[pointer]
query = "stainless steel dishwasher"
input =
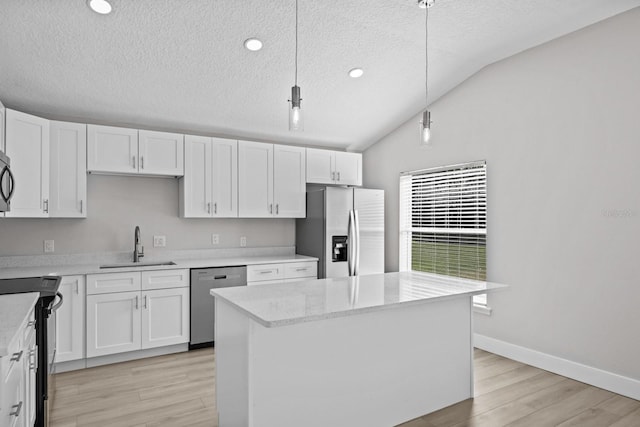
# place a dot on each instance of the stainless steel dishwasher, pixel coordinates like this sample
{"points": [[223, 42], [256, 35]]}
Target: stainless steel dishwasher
{"points": [[202, 303]]}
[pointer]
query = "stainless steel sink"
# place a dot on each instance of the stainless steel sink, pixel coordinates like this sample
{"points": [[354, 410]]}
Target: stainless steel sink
{"points": [[138, 264]]}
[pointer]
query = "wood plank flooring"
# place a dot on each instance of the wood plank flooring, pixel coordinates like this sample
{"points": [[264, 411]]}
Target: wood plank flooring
{"points": [[178, 390]]}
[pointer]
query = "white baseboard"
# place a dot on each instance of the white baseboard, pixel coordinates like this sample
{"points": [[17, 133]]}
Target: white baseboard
{"points": [[587, 374]]}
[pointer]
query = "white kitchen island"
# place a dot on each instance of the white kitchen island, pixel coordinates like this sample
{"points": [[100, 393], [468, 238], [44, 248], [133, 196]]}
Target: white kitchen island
{"points": [[373, 350]]}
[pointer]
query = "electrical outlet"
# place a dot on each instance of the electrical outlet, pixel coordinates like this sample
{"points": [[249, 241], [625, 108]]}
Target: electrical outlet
{"points": [[159, 241], [243, 241], [215, 239], [49, 246]]}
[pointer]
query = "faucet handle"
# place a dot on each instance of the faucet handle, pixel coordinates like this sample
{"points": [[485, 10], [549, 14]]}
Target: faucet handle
{"points": [[140, 250]]}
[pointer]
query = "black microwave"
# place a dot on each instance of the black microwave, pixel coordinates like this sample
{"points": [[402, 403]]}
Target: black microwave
{"points": [[7, 183]]}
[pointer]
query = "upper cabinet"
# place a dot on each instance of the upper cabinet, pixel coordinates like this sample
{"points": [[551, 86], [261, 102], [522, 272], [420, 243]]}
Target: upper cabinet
{"points": [[333, 167], [111, 149], [129, 151], [210, 184], [68, 177], [161, 153], [271, 180], [2, 114], [27, 144]]}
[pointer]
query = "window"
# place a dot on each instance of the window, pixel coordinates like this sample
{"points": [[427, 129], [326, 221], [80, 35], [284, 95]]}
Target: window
{"points": [[443, 221]]}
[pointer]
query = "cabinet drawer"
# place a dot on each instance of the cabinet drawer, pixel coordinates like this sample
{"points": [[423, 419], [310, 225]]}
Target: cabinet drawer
{"points": [[30, 326], [300, 269], [258, 273], [113, 282], [164, 279]]}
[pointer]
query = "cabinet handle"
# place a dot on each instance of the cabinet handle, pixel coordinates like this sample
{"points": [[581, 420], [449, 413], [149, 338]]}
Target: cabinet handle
{"points": [[215, 208], [277, 208], [141, 162], [46, 205], [16, 412], [145, 302], [338, 176], [31, 323], [271, 208], [32, 364], [81, 205], [136, 302], [302, 269], [209, 207], [134, 162], [266, 271], [333, 176], [77, 289], [17, 356]]}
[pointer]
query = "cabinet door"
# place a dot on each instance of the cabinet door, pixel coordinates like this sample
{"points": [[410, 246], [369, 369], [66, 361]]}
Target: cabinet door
{"points": [[112, 149], [2, 120], [195, 187], [255, 179], [68, 178], [113, 323], [28, 147], [348, 168], [224, 174], [161, 153], [289, 181], [70, 320], [165, 317], [320, 166]]}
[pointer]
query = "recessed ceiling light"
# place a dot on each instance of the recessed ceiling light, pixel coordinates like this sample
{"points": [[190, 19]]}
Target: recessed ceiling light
{"points": [[253, 44], [103, 7], [356, 72]]}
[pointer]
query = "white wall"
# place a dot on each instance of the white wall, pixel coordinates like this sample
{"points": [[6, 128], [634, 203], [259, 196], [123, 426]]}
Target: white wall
{"points": [[559, 126], [117, 204]]}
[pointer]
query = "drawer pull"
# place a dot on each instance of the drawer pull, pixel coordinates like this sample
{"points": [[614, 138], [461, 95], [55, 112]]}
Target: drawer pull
{"points": [[266, 271], [17, 356], [31, 323], [302, 269], [17, 410]]}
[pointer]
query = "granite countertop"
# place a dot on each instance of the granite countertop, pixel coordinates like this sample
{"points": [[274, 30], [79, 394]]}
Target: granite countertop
{"points": [[72, 269], [14, 310], [291, 303]]}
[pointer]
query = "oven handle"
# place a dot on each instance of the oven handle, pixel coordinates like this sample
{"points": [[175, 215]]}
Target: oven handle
{"points": [[57, 306]]}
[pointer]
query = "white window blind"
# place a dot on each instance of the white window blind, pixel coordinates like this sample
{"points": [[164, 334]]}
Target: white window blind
{"points": [[443, 221]]}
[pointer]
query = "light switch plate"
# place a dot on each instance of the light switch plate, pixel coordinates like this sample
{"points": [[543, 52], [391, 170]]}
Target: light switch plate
{"points": [[215, 239], [49, 246], [243, 241], [159, 241]]}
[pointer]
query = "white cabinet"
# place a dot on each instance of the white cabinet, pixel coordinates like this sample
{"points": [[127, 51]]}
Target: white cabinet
{"points": [[333, 167], [129, 151], [29, 375], [112, 149], [113, 323], [2, 120], [70, 320], [151, 311], [161, 153], [68, 170], [209, 187], [289, 181], [271, 180], [255, 179], [27, 144], [266, 274]]}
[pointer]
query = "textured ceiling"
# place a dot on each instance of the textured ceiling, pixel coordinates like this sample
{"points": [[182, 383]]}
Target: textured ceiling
{"points": [[181, 65]]}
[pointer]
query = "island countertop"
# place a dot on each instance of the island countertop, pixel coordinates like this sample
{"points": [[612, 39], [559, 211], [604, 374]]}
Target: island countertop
{"points": [[306, 301]]}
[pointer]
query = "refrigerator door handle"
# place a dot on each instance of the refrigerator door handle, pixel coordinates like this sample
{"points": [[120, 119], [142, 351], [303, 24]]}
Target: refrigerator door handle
{"points": [[351, 243], [356, 258]]}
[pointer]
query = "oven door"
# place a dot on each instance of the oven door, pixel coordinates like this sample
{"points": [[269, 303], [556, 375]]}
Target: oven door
{"points": [[51, 358]]}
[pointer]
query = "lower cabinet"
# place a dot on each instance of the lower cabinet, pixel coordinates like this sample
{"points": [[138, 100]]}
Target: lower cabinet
{"points": [[267, 274], [70, 335], [127, 321]]}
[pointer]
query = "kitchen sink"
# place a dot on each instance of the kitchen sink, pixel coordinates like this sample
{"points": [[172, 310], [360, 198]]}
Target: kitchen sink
{"points": [[138, 264]]}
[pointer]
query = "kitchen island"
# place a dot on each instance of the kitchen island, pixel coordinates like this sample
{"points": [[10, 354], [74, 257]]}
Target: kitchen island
{"points": [[374, 350]]}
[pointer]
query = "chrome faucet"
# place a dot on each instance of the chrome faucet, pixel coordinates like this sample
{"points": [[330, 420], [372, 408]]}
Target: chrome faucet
{"points": [[138, 249]]}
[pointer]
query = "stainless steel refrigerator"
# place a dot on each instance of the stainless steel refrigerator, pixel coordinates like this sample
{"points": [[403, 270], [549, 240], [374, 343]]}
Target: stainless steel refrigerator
{"points": [[344, 228]]}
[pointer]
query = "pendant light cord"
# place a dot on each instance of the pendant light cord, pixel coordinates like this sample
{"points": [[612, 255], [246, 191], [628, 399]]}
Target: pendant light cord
{"points": [[296, 42], [426, 55]]}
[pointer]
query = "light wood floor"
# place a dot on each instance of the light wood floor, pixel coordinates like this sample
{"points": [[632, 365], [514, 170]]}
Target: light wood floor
{"points": [[178, 390]]}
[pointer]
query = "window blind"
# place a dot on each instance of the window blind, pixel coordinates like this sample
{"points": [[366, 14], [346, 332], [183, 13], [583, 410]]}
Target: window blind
{"points": [[443, 220]]}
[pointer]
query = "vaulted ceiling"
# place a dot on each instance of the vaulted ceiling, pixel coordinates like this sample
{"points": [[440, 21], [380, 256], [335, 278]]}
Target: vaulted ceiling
{"points": [[181, 65]]}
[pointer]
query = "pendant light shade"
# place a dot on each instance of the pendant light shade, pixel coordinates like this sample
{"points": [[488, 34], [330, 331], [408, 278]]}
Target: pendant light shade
{"points": [[296, 122], [425, 128]]}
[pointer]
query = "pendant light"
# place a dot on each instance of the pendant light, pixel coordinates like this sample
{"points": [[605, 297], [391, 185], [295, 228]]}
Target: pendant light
{"points": [[296, 122], [425, 123]]}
